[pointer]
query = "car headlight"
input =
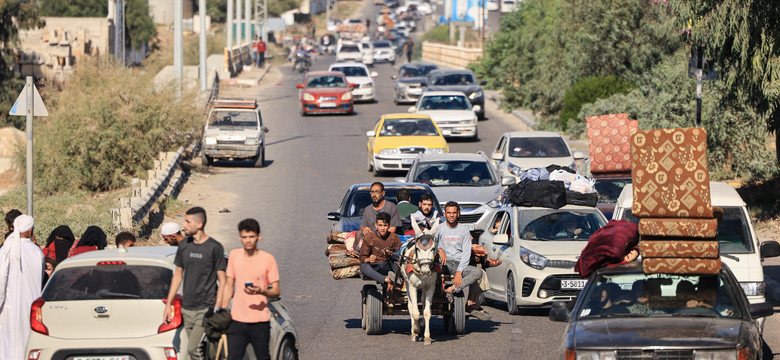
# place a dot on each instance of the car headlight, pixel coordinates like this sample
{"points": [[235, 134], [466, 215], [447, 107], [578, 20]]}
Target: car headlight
{"points": [[595, 355], [435, 151], [367, 85], [715, 355], [388, 151], [753, 288], [513, 169], [346, 96], [467, 122], [211, 141], [533, 259], [251, 141], [308, 97], [493, 203], [476, 94]]}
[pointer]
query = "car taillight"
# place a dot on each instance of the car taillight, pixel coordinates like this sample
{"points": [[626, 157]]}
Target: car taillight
{"points": [[569, 354], [176, 315], [112, 263], [34, 355], [743, 354], [170, 354], [36, 317]]}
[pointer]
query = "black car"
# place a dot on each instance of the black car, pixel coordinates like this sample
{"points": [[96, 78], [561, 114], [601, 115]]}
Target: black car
{"points": [[459, 80], [623, 313], [349, 213], [408, 82]]}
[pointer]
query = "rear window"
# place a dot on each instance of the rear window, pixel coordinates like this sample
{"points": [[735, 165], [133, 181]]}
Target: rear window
{"points": [[522, 147], [108, 282], [350, 48]]}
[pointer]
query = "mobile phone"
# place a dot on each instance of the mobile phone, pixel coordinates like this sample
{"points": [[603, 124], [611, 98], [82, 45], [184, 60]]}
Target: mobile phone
{"points": [[248, 284]]}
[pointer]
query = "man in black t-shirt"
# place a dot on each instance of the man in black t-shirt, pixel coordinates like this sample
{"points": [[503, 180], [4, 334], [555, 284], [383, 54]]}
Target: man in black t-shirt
{"points": [[203, 258]]}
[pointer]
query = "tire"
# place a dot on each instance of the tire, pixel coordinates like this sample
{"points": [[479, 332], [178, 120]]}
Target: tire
{"points": [[483, 300], [511, 296], [392, 62], [260, 158], [370, 166], [287, 350], [205, 159], [459, 314], [373, 312], [302, 112]]}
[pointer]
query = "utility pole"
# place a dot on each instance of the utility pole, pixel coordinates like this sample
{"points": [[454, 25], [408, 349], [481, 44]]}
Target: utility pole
{"points": [[29, 150], [119, 31], [239, 22], [248, 21], [261, 18], [178, 40], [203, 30], [229, 25]]}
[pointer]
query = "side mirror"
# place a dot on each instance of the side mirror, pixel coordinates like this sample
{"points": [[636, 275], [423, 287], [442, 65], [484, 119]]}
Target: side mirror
{"points": [[394, 77], [411, 109], [477, 108], [578, 155], [508, 180], [446, 132], [497, 156], [334, 216], [558, 312], [265, 130], [770, 249], [760, 310], [371, 133], [374, 74], [299, 86], [424, 84], [501, 239], [483, 83]]}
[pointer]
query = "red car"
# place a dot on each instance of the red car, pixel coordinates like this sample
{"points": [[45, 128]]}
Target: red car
{"points": [[325, 92]]}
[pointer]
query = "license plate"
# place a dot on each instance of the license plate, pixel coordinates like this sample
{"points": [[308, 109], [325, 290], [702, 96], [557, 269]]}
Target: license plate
{"points": [[415, 91], [470, 226], [328, 105], [573, 284], [407, 161], [115, 357]]}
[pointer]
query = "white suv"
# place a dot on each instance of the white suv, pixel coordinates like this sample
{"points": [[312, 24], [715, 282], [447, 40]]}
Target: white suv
{"points": [[358, 74]]}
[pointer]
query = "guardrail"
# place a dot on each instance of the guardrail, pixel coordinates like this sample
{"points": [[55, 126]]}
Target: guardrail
{"points": [[450, 56]]}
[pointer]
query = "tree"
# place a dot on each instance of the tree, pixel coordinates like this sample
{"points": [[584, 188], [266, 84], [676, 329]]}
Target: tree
{"points": [[15, 15], [739, 39]]}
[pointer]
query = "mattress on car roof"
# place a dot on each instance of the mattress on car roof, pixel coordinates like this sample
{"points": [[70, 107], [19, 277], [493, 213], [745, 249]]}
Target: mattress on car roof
{"points": [[680, 266], [609, 142], [678, 227], [663, 247]]}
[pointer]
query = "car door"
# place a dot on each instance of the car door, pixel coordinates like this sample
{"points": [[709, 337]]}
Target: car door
{"points": [[496, 250], [372, 139], [499, 149]]}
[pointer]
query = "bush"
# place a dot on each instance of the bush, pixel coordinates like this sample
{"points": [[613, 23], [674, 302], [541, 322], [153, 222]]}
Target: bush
{"points": [[107, 126], [588, 90]]}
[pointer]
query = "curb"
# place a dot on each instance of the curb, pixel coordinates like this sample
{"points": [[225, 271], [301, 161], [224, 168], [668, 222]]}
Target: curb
{"points": [[245, 81]]}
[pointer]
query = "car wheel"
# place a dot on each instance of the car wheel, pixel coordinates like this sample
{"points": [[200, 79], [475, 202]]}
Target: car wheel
{"points": [[301, 112], [205, 159], [511, 300], [392, 62], [287, 350], [260, 158], [370, 165]]}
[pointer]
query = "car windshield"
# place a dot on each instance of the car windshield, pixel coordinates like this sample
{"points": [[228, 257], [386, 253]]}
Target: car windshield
{"points": [[231, 119], [444, 102], [558, 224], [404, 127], [454, 173], [361, 198], [734, 235], [350, 48], [326, 81], [454, 79], [381, 45], [108, 282], [523, 147], [415, 71], [609, 189], [350, 70], [652, 295]]}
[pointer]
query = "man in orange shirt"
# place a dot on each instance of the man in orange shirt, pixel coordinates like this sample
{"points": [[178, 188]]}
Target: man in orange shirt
{"points": [[257, 275]]}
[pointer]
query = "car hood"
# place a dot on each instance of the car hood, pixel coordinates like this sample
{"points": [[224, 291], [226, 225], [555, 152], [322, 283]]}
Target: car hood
{"points": [[688, 333], [466, 89], [467, 194], [326, 91], [348, 224], [394, 142], [360, 80], [229, 133], [556, 249], [449, 115], [412, 80], [536, 162]]}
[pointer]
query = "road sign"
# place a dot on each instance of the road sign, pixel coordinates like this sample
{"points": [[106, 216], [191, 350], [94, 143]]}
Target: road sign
{"points": [[20, 106]]}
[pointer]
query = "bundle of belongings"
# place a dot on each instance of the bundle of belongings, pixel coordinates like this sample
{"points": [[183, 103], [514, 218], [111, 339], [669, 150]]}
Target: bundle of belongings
{"points": [[551, 187], [677, 224], [609, 142]]}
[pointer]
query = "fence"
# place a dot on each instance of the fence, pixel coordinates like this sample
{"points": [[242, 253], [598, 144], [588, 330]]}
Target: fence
{"points": [[451, 56]]}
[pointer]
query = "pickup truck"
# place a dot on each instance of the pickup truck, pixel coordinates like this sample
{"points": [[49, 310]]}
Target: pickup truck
{"points": [[234, 131]]}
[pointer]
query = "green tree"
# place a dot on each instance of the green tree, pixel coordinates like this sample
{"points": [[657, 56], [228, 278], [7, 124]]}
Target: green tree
{"points": [[587, 90], [75, 8], [15, 15]]}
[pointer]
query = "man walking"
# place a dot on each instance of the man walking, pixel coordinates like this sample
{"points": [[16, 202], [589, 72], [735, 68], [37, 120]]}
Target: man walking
{"points": [[261, 49], [409, 49], [200, 263], [252, 278], [21, 277], [455, 240]]}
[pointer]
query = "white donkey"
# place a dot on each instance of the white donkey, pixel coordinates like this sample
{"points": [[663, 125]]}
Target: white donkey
{"points": [[417, 269]]}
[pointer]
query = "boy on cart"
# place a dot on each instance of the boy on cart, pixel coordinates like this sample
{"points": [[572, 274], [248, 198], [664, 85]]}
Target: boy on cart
{"points": [[376, 249]]}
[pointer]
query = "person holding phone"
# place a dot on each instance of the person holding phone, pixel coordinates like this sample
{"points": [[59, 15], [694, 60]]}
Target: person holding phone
{"points": [[258, 272]]}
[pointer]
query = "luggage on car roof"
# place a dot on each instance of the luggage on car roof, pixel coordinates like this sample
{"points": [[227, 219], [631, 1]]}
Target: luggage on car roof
{"points": [[541, 193]]}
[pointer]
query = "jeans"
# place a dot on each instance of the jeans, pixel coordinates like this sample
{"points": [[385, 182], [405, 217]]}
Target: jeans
{"points": [[470, 276], [240, 334], [377, 271], [193, 326], [260, 58]]}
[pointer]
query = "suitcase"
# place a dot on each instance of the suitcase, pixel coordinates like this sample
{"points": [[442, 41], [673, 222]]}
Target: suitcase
{"points": [[578, 198]]}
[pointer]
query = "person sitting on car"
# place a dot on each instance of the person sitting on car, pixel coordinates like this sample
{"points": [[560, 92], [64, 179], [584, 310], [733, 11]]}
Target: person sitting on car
{"points": [[376, 250]]}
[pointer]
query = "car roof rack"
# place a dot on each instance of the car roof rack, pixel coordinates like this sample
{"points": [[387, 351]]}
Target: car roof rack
{"points": [[235, 103]]}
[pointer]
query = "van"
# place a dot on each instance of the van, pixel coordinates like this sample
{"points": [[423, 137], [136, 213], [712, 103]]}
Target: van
{"points": [[740, 248]]}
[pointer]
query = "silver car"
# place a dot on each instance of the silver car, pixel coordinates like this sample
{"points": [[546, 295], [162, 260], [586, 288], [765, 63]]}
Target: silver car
{"points": [[467, 178], [410, 81], [234, 131], [522, 150], [108, 304]]}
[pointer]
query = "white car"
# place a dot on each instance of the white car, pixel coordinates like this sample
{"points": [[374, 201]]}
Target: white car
{"points": [[532, 149], [368, 51], [492, 5], [384, 52], [358, 74], [403, 30], [508, 5], [349, 51], [450, 110]]}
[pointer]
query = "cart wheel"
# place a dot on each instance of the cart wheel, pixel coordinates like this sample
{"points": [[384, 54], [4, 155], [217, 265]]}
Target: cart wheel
{"points": [[459, 314], [363, 310], [373, 317]]}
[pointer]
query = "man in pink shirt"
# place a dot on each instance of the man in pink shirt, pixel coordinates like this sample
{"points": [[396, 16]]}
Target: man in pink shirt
{"points": [[252, 278]]}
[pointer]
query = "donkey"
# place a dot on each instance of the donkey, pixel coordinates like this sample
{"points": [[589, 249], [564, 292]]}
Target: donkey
{"points": [[417, 268]]}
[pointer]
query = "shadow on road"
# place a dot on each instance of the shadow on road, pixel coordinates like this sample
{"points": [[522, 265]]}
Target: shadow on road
{"points": [[402, 325], [240, 164]]}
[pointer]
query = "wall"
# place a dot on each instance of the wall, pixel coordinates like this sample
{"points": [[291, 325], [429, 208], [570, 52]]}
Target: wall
{"points": [[161, 11], [450, 56]]}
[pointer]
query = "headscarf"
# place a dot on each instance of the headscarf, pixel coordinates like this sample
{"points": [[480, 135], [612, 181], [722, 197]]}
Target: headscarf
{"points": [[94, 236], [63, 244], [13, 243]]}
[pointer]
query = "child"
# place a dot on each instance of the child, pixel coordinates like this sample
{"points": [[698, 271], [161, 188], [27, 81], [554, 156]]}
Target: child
{"points": [[377, 245]]}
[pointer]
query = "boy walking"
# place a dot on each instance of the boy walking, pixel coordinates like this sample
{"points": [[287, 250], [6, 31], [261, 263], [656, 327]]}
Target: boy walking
{"points": [[203, 258], [252, 277]]}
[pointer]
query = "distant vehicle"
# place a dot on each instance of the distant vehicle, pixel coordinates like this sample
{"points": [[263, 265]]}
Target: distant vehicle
{"points": [[409, 81], [466, 178], [368, 51], [234, 131], [325, 92], [384, 52], [532, 149], [358, 74], [349, 51], [492, 5], [609, 186], [403, 30], [623, 313], [90, 309], [508, 6], [450, 110], [459, 80], [397, 139], [392, 3], [350, 211]]}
